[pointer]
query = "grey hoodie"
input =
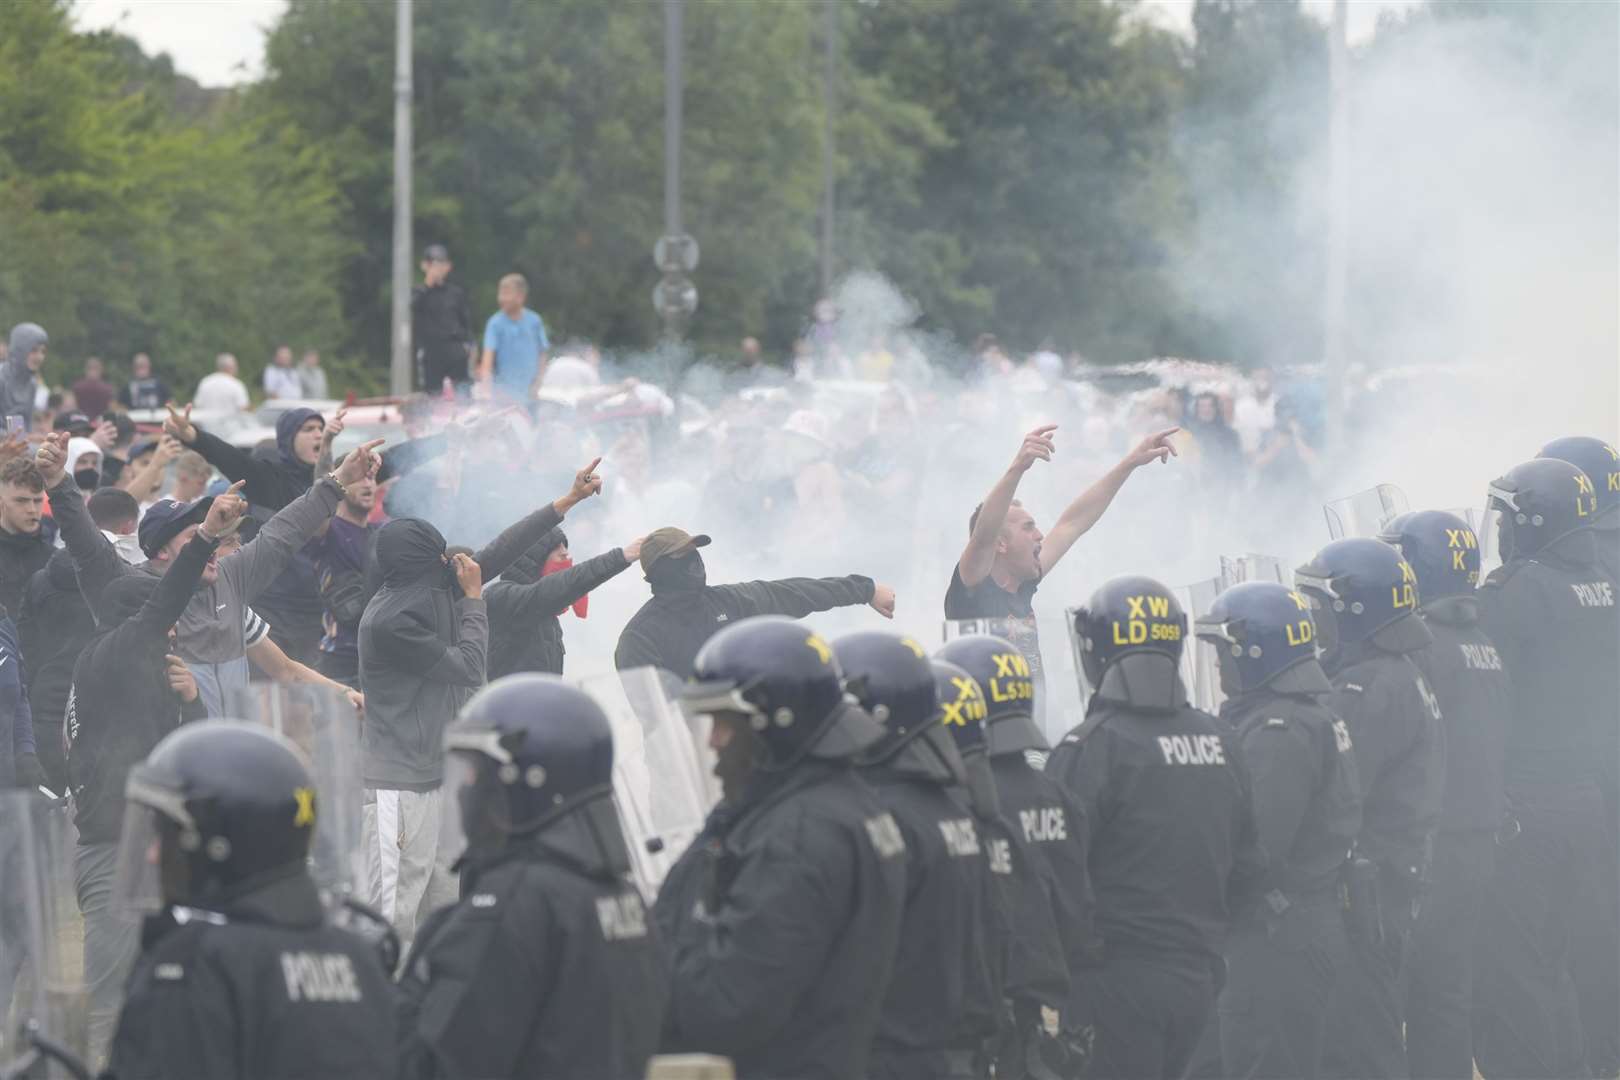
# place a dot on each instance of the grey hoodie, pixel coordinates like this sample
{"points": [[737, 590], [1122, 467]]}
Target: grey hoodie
{"points": [[210, 632], [17, 383]]}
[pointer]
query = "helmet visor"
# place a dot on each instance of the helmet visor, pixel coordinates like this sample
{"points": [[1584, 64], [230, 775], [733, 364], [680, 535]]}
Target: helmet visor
{"points": [[142, 863], [1494, 528]]}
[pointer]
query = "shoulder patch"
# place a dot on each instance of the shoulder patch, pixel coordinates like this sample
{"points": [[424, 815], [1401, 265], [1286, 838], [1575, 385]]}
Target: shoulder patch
{"points": [[1274, 721]]}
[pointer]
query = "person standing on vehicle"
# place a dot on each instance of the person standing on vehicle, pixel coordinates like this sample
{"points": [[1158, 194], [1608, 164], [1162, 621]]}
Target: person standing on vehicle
{"points": [[685, 610], [515, 343], [19, 372], [242, 973], [1364, 602], [129, 691], [1007, 555], [1551, 612], [144, 389], [1285, 949], [1173, 848], [549, 965], [441, 329], [782, 919], [935, 1021], [1464, 669]]}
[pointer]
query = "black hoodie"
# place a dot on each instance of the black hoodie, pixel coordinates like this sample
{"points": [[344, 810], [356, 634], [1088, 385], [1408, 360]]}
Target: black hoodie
{"points": [[121, 704], [55, 625], [22, 555], [525, 633]]}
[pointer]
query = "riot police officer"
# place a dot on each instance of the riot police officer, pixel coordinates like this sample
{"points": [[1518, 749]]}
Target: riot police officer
{"points": [[781, 925], [1030, 971], [241, 972], [1050, 820], [1172, 834], [1466, 673], [939, 1011], [1550, 610], [1364, 598], [1596, 969], [548, 965], [1284, 950]]}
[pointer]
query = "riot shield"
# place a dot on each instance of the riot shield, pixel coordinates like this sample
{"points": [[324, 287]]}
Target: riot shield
{"points": [[43, 1006], [1236, 569], [1366, 512], [663, 783], [1200, 667], [323, 724]]}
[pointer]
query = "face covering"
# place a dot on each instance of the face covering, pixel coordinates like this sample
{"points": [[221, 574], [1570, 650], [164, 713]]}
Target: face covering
{"points": [[687, 572], [87, 479], [563, 562], [128, 547]]}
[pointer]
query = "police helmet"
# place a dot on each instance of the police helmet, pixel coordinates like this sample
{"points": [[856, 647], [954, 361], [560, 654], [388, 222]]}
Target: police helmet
{"points": [[1265, 637], [1441, 549], [1130, 635], [1361, 590], [533, 750], [1005, 680], [230, 805], [1539, 503], [890, 677], [1600, 461], [784, 679], [961, 713]]}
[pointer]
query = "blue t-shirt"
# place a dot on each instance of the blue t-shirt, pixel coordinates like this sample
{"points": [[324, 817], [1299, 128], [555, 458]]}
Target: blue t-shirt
{"points": [[517, 345]]}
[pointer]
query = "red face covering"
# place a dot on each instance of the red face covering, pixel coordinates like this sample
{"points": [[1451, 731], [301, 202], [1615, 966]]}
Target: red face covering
{"points": [[562, 562]]}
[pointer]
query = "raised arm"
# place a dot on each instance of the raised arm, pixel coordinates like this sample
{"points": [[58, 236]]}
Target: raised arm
{"points": [[980, 552], [1087, 510], [264, 482], [552, 594], [143, 486], [164, 607], [508, 547], [94, 559], [798, 597]]}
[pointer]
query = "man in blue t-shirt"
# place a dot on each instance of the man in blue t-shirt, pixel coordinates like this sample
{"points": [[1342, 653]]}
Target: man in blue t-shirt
{"points": [[514, 342]]}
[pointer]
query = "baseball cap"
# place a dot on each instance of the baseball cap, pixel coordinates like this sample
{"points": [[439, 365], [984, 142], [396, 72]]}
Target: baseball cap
{"points": [[143, 447], [435, 253], [75, 422], [665, 541], [166, 518]]}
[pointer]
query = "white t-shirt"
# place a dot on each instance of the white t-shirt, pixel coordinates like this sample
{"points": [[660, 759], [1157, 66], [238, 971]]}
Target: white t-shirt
{"points": [[1252, 419], [221, 393], [282, 382]]}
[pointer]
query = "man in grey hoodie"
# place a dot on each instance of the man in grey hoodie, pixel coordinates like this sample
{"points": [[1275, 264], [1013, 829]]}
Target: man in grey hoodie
{"points": [[210, 633], [19, 375]]}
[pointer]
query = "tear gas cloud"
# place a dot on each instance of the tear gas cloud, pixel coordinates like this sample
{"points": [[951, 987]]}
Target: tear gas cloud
{"points": [[1482, 322]]}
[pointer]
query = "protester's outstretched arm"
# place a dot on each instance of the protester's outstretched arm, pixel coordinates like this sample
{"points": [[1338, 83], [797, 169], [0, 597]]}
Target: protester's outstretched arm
{"points": [[508, 547], [94, 559], [552, 594], [265, 486], [277, 666], [980, 553], [1087, 510], [798, 597]]}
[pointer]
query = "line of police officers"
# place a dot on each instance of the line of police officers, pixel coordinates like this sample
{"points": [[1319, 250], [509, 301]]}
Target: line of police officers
{"points": [[904, 881]]}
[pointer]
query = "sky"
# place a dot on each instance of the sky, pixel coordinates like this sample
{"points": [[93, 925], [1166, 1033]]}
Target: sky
{"points": [[221, 42]]}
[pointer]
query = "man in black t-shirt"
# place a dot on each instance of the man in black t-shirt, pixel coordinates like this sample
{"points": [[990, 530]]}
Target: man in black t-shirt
{"points": [[1007, 554]]}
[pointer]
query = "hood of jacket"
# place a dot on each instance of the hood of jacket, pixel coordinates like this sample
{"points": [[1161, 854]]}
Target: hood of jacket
{"points": [[287, 425], [409, 550], [124, 597], [59, 571], [25, 338], [531, 565]]}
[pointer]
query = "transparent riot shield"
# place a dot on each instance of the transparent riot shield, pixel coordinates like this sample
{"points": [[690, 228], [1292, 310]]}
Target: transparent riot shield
{"points": [[1236, 569], [323, 724], [1366, 512], [1200, 667], [43, 1005], [663, 781]]}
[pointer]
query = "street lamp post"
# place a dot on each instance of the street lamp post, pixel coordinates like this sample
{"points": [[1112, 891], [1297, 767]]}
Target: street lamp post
{"points": [[400, 373], [675, 253]]}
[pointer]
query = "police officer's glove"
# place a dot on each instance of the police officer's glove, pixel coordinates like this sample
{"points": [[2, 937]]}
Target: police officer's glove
{"points": [[29, 773]]}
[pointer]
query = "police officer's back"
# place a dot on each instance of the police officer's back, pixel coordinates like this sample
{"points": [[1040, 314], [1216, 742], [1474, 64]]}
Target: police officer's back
{"points": [[1364, 601], [936, 1018], [549, 965], [241, 973], [1172, 837], [1288, 945], [782, 923], [1550, 610]]}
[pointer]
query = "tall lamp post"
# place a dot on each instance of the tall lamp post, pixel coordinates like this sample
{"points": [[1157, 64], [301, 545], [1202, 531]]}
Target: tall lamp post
{"points": [[1338, 239], [400, 373], [675, 254]]}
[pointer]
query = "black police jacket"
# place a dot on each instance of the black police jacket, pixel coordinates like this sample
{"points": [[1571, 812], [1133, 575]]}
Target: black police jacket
{"points": [[1467, 674], [266, 989], [669, 630], [1394, 722], [525, 633], [942, 979], [544, 970], [1555, 622], [782, 960], [1173, 846], [1052, 824], [1302, 776]]}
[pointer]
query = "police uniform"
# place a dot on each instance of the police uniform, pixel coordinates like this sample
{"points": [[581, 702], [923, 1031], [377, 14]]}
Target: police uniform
{"points": [[782, 962], [548, 965], [1550, 610], [1172, 835], [934, 1022]]}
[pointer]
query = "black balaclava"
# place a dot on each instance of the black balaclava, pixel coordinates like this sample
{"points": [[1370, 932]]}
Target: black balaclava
{"points": [[684, 574], [408, 550], [87, 479]]}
